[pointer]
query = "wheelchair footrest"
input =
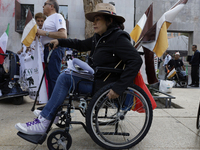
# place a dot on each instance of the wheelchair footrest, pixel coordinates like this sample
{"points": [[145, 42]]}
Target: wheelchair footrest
{"points": [[36, 139], [113, 133]]}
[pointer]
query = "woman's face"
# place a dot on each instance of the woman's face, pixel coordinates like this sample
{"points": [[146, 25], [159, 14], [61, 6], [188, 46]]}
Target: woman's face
{"points": [[99, 25]]}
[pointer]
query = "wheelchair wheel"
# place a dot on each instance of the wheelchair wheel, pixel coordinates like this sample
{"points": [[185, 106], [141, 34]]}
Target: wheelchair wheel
{"points": [[120, 123], [198, 116], [59, 140], [18, 100], [62, 120]]}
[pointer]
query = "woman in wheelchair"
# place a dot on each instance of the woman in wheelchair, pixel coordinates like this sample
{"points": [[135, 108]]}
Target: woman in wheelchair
{"points": [[111, 47]]}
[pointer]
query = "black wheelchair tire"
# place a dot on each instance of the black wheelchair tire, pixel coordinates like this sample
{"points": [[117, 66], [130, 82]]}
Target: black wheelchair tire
{"points": [[18, 100], [89, 120]]}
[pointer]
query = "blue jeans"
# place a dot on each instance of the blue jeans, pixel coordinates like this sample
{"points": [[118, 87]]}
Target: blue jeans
{"points": [[54, 66], [63, 85]]}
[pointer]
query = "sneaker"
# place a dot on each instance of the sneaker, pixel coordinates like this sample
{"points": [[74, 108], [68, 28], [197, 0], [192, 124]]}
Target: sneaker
{"points": [[38, 126], [37, 113]]}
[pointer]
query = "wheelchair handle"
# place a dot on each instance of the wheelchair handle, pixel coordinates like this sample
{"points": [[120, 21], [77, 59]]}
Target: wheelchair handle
{"points": [[51, 45], [48, 58]]}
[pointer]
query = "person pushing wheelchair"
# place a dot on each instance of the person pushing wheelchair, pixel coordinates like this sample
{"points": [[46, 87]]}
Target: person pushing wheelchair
{"points": [[109, 46]]}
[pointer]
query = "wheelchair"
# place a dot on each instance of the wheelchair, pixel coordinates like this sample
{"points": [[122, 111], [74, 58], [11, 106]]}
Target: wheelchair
{"points": [[178, 77], [9, 79], [111, 123]]}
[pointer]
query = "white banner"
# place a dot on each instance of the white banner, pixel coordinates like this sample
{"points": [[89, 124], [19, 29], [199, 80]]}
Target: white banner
{"points": [[37, 72]]}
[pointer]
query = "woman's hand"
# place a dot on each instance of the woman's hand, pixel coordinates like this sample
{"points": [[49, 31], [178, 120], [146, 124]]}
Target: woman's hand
{"points": [[112, 95], [55, 43]]}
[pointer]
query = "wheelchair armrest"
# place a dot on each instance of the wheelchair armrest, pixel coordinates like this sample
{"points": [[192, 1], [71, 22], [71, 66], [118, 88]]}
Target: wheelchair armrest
{"points": [[110, 70]]}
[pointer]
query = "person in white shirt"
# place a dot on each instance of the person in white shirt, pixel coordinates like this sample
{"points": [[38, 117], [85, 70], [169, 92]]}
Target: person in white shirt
{"points": [[54, 27], [167, 59]]}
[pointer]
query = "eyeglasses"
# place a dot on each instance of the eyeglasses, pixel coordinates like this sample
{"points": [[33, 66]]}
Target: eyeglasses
{"points": [[47, 3]]}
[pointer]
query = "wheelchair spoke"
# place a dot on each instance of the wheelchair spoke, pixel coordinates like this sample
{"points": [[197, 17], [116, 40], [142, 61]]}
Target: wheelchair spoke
{"points": [[57, 147], [54, 143], [56, 138]]}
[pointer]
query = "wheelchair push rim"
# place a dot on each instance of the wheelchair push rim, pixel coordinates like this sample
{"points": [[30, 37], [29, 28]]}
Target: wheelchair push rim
{"points": [[128, 128]]}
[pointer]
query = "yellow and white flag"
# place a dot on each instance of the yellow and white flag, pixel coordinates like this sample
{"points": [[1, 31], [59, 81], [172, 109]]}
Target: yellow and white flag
{"points": [[156, 38], [30, 30], [144, 23]]}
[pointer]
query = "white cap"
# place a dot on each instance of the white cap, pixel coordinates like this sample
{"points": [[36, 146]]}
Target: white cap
{"points": [[177, 53]]}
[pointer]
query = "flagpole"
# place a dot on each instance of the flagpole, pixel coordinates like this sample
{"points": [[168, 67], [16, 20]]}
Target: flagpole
{"points": [[110, 73], [134, 13]]}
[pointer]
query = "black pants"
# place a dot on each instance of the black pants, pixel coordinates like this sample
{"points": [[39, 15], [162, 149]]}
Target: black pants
{"points": [[195, 75]]}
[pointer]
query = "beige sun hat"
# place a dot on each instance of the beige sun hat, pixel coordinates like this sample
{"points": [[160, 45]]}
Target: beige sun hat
{"points": [[104, 9]]}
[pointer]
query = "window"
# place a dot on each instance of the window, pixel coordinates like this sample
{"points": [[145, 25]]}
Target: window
{"points": [[169, 34], [175, 34], [21, 11], [63, 10]]}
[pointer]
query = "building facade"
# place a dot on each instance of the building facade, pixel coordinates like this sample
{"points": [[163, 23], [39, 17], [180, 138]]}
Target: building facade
{"points": [[187, 21]]}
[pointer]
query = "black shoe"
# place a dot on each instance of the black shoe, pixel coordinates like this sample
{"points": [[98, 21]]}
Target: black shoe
{"points": [[191, 84], [195, 85]]}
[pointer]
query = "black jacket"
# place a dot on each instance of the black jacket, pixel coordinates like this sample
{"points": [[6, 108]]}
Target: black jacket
{"points": [[195, 59], [107, 51]]}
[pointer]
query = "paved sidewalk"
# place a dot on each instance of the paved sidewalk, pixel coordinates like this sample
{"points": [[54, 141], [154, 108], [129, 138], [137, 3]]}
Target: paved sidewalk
{"points": [[172, 129]]}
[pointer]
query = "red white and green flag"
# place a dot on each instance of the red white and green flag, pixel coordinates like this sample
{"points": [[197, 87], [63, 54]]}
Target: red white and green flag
{"points": [[3, 44]]}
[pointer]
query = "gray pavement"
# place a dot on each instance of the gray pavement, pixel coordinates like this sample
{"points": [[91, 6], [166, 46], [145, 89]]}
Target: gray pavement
{"points": [[173, 129]]}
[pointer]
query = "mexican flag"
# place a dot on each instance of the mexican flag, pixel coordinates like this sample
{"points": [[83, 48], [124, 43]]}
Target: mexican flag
{"points": [[3, 44]]}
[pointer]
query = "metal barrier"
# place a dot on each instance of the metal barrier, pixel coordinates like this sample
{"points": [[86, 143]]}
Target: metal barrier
{"points": [[168, 98]]}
